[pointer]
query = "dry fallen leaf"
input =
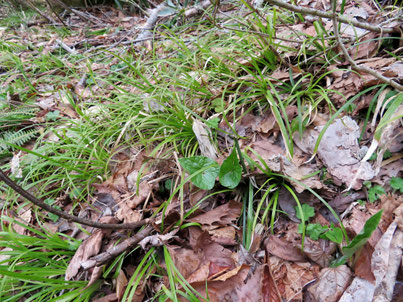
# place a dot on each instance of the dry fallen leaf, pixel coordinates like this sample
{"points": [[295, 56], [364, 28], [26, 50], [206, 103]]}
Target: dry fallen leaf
{"points": [[362, 263], [319, 251], [341, 136], [385, 263], [88, 248], [144, 191], [96, 274], [25, 218], [292, 277], [224, 236], [157, 240], [220, 216], [275, 158], [4, 257], [243, 284], [354, 225], [185, 260], [331, 284], [203, 136], [283, 249], [108, 298], [121, 283], [126, 214], [346, 83]]}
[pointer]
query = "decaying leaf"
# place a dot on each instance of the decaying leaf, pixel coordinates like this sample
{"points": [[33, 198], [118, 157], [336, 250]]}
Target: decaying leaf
{"points": [[121, 283], [385, 263], [88, 248], [24, 217], [320, 251], [275, 158], [203, 136], [220, 216], [331, 284], [339, 151], [283, 249], [242, 284], [291, 277]]}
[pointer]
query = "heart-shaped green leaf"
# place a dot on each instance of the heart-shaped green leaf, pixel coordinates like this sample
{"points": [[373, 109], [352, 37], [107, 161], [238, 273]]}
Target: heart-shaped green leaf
{"points": [[207, 167]]}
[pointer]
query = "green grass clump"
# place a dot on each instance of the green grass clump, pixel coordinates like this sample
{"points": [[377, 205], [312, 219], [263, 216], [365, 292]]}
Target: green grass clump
{"points": [[33, 266]]}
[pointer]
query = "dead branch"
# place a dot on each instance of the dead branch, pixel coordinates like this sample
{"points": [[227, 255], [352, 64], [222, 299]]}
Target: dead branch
{"points": [[32, 5], [197, 9], [79, 14], [55, 13], [104, 257], [318, 13], [65, 215], [354, 65]]}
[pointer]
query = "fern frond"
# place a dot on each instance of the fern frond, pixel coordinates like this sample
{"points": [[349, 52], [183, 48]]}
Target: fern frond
{"points": [[15, 138], [23, 113]]}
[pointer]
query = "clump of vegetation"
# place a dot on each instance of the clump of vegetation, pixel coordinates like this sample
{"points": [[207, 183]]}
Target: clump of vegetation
{"points": [[210, 126]]}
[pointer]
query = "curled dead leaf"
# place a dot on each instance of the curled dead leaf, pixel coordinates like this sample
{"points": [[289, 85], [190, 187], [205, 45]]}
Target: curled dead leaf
{"points": [[121, 283], [88, 248]]}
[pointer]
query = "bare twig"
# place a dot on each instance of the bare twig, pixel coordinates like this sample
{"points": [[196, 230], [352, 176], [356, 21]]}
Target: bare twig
{"points": [[65, 215], [151, 21], [55, 13], [354, 65], [32, 5], [197, 9], [104, 257], [66, 47], [79, 14], [318, 13]]}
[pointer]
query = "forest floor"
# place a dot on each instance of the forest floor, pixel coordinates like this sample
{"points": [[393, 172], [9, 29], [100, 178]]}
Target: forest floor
{"points": [[255, 148]]}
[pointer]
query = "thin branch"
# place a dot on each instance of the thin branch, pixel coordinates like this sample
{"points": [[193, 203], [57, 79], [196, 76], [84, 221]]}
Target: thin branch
{"points": [[105, 257], [65, 215], [79, 14], [32, 5], [318, 13], [354, 65], [197, 9], [55, 13]]}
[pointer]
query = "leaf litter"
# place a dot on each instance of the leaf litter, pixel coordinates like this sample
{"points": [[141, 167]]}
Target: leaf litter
{"points": [[208, 253]]}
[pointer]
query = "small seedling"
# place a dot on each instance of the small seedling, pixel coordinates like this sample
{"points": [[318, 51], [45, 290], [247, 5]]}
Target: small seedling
{"points": [[397, 184], [334, 234], [316, 231], [52, 115], [375, 192], [307, 210]]}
